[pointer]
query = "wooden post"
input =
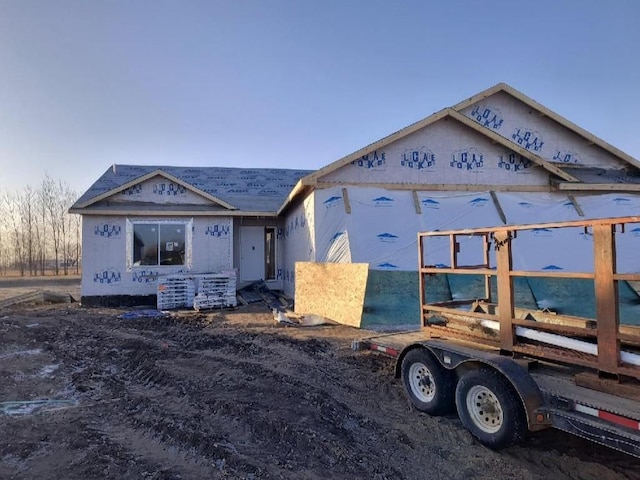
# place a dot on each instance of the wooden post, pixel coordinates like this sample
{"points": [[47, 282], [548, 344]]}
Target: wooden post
{"points": [[421, 278], [496, 203], [486, 245], [505, 288], [454, 248], [606, 292], [345, 199], [416, 202]]}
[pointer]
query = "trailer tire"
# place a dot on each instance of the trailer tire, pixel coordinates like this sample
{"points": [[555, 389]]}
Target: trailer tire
{"points": [[429, 385], [490, 408]]}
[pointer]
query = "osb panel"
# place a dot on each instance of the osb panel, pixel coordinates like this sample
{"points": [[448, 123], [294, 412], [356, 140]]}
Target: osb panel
{"points": [[331, 290]]}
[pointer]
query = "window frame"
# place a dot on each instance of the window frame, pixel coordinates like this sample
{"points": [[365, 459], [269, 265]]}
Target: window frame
{"points": [[188, 242]]}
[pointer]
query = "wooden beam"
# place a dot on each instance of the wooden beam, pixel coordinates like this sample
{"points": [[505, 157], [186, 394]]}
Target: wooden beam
{"points": [[598, 187], [441, 187], [170, 213], [496, 203], [573, 201], [416, 202], [345, 198]]}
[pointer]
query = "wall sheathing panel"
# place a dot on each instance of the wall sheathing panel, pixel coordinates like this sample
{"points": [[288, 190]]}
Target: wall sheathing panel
{"points": [[105, 272], [445, 152], [334, 291]]}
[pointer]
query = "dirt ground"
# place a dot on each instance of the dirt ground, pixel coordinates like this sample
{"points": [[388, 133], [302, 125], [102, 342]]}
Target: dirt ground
{"points": [[232, 395]]}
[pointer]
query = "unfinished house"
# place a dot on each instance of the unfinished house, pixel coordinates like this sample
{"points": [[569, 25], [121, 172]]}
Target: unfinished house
{"points": [[144, 223], [496, 158]]}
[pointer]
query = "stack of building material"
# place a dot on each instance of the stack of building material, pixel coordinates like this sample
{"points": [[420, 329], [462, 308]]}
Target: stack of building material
{"points": [[175, 291], [216, 290]]}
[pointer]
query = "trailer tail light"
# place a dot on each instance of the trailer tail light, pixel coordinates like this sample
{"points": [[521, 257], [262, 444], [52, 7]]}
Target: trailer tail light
{"points": [[607, 416]]}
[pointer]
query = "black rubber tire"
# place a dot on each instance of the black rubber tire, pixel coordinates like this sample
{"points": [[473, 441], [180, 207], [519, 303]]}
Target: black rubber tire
{"points": [[490, 409], [429, 385]]}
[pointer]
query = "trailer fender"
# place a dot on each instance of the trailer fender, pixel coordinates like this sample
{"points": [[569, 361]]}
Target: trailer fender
{"points": [[461, 359]]}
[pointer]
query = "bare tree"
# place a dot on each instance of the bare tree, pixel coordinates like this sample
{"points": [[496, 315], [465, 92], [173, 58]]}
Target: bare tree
{"points": [[51, 196], [35, 228], [78, 238], [69, 235], [41, 232], [27, 210], [4, 241], [11, 212]]}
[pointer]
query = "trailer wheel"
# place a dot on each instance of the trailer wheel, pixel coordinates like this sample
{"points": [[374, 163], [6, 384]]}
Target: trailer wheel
{"points": [[430, 386], [490, 409]]}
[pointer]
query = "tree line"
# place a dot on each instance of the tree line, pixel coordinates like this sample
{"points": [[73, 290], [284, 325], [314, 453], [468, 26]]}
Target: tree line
{"points": [[37, 234]]}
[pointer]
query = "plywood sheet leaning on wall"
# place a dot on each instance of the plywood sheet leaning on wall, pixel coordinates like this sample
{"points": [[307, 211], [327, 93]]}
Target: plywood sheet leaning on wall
{"points": [[332, 290]]}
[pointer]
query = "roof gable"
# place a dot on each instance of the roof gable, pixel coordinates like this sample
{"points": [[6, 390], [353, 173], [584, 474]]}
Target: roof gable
{"points": [[544, 111], [447, 113], [455, 112], [234, 190], [127, 185]]}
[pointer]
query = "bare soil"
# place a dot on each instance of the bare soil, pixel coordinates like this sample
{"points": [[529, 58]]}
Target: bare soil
{"points": [[229, 394]]}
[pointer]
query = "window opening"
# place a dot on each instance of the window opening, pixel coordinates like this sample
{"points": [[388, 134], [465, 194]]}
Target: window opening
{"points": [[159, 244]]}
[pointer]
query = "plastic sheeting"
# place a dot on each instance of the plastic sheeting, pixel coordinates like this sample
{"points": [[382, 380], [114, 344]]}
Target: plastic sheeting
{"points": [[383, 225], [382, 230]]}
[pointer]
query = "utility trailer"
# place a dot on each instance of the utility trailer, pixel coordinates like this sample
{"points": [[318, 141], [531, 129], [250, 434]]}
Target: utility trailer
{"points": [[510, 369]]}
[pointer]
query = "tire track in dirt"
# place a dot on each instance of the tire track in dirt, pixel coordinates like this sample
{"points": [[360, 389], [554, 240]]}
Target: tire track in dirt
{"points": [[211, 396]]}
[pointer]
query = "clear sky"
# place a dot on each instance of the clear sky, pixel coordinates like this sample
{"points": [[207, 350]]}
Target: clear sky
{"points": [[289, 83]]}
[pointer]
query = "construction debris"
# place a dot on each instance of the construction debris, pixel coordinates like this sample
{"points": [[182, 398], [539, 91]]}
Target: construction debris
{"points": [[37, 296], [290, 318], [260, 292]]}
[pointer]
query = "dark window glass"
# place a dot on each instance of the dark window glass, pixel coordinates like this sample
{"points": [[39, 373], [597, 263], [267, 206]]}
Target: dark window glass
{"points": [[158, 244], [145, 244], [172, 244]]}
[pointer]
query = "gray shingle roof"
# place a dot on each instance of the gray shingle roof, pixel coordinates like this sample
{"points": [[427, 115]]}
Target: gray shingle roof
{"points": [[248, 189]]}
